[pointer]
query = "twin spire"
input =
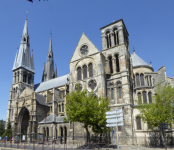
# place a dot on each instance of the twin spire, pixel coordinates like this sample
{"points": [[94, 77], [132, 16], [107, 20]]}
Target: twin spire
{"points": [[49, 72], [24, 58]]}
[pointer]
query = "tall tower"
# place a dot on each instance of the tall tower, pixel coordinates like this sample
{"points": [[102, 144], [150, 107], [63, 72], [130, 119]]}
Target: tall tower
{"points": [[49, 72], [118, 72], [23, 72]]}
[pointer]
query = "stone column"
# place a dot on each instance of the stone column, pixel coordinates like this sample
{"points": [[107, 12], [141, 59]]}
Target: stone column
{"points": [[114, 64], [104, 42], [120, 36], [51, 131], [21, 76], [13, 78], [107, 68], [112, 39]]}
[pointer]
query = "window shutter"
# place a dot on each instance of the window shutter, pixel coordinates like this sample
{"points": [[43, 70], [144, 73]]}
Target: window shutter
{"points": [[144, 97]]}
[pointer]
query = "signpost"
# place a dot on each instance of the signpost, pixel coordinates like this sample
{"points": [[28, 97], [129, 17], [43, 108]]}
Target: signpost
{"points": [[115, 119], [164, 126]]}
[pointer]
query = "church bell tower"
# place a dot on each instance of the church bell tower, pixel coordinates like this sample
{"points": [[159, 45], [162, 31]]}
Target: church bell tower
{"points": [[23, 72]]}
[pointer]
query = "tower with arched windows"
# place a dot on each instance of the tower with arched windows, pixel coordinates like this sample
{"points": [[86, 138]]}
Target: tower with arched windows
{"points": [[23, 72]]}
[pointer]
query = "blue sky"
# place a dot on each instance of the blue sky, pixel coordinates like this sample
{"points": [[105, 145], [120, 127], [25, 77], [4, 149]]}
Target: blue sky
{"points": [[149, 23]]}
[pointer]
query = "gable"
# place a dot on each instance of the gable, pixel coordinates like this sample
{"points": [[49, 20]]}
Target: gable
{"points": [[84, 41], [26, 92]]}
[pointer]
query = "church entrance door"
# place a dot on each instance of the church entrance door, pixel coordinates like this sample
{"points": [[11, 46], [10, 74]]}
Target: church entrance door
{"points": [[25, 123]]}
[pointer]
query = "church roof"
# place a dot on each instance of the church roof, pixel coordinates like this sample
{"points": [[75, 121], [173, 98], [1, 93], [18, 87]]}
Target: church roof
{"points": [[56, 82], [53, 118], [137, 61], [41, 99]]}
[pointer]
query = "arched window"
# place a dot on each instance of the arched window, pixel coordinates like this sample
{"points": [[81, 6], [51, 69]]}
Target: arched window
{"points": [[92, 84], [138, 121], [142, 79], [14, 93], [15, 78], [18, 77], [112, 93], [25, 77], [84, 72], [59, 108], [117, 63], [29, 79], [144, 97], [115, 36], [119, 89], [79, 77], [90, 70], [137, 79], [108, 39], [150, 97], [110, 64], [139, 98], [62, 107]]}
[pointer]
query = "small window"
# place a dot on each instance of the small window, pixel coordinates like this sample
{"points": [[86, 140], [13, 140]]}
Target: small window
{"points": [[62, 107], [112, 93], [79, 77], [137, 79], [150, 81], [142, 79], [150, 97], [144, 97], [117, 63], [59, 108], [110, 64], [139, 98], [138, 121], [119, 89], [84, 72], [108, 39], [90, 70]]}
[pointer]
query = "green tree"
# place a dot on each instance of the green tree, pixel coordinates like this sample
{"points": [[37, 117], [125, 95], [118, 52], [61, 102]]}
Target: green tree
{"points": [[8, 131], [2, 127], [160, 110], [88, 109]]}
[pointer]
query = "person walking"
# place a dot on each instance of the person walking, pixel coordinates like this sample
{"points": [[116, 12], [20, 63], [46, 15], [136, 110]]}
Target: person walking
{"points": [[53, 139]]}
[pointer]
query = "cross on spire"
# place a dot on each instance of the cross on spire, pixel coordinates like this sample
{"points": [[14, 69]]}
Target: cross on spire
{"points": [[50, 34]]}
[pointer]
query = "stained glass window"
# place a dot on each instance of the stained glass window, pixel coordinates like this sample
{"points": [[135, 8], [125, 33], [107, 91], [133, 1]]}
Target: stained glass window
{"points": [[92, 84], [84, 72], [90, 70], [144, 97], [84, 50], [79, 77]]}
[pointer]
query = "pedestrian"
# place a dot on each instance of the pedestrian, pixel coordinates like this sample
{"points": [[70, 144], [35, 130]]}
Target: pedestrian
{"points": [[53, 139]]}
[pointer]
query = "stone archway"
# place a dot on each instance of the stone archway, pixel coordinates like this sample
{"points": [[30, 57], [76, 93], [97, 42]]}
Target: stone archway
{"points": [[25, 122]]}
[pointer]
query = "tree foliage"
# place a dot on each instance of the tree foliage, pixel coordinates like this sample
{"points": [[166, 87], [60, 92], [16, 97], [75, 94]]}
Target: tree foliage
{"points": [[160, 110], [2, 127], [8, 131], [88, 109]]}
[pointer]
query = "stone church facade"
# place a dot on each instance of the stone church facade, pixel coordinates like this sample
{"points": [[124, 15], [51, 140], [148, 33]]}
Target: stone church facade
{"points": [[112, 72]]}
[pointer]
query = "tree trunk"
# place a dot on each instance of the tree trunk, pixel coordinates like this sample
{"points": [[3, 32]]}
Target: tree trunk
{"points": [[88, 137]]}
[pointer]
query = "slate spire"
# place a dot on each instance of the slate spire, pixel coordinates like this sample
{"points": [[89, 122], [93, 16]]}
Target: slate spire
{"points": [[49, 72], [23, 57]]}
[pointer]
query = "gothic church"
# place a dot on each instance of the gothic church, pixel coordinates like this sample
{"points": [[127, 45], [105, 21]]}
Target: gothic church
{"points": [[112, 72]]}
